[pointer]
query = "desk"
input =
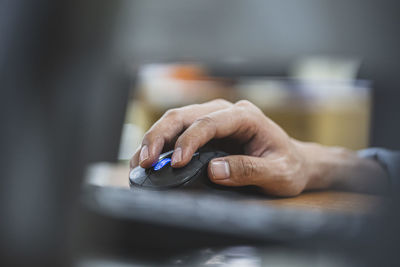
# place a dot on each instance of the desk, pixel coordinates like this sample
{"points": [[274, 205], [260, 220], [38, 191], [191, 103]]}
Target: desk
{"points": [[116, 175]]}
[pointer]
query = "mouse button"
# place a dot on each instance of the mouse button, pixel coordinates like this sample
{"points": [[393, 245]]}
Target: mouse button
{"points": [[189, 171], [164, 177], [191, 168], [170, 177], [218, 154], [137, 175], [166, 154], [161, 163], [205, 157]]}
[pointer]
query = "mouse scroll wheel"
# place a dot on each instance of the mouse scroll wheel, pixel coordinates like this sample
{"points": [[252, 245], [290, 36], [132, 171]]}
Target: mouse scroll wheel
{"points": [[161, 163]]}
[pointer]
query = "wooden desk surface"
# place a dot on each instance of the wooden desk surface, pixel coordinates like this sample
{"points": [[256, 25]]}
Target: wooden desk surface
{"points": [[116, 175]]}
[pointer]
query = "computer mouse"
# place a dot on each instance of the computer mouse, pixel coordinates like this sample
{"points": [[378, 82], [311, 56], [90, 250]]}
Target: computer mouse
{"points": [[162, 176]]}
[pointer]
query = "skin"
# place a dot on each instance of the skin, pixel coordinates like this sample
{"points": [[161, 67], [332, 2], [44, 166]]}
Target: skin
{"points": [[270, 159]]}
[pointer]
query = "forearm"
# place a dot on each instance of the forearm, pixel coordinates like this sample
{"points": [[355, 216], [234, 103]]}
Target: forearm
{"points": [[331, 167]]}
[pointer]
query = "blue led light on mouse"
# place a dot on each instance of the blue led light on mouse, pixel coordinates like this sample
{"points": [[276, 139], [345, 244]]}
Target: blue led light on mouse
{"points": [[161, 163]]}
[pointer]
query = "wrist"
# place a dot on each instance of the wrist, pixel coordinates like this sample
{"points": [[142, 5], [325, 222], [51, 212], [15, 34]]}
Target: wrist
{"points": [[340, 168], [320, 165]]}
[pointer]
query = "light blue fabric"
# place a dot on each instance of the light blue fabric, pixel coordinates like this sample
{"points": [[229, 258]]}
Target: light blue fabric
{"points": [[390, 160]]}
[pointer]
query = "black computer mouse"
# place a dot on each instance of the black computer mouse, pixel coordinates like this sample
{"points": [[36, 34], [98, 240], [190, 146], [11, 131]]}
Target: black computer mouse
{"points": [[162, 176]]}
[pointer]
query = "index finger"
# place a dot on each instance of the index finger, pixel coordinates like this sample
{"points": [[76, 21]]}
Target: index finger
{"points": [[169, 126]]}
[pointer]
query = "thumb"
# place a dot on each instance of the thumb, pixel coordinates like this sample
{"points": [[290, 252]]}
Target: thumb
{"points": [[235, 170]]}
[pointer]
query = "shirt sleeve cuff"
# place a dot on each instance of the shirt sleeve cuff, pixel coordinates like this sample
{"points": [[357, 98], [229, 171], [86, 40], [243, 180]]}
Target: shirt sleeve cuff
{"points": [[389, 160]]}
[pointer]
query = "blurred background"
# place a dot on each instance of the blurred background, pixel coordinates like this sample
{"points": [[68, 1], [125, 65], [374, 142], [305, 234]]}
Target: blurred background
{"points": [[81, 81], [326, 71]]}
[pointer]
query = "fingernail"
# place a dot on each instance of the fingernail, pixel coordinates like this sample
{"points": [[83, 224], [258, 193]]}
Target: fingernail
{"points": [[177, 156], [144, 153], [220, 169]]}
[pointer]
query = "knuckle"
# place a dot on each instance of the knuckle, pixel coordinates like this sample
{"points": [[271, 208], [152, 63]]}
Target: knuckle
{"points": [[206, 120], [244, 113], [247, 106], [172, 113], [148, 137], [247, 168], [222, 102], [244, 103], [188, 141], [208, 123]]}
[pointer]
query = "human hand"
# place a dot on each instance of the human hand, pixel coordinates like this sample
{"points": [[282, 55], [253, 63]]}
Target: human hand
{"points": [[273, 161]]}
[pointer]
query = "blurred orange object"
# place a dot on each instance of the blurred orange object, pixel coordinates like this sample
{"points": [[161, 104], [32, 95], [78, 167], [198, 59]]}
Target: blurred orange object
{"points": [[188, 72]]}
